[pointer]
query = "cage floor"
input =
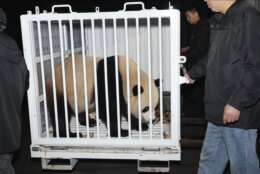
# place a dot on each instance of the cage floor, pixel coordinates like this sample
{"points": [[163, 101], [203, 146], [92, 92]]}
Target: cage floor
{"points": [[157, 132]]}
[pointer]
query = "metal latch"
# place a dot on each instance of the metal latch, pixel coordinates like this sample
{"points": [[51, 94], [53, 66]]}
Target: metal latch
{"points": [[183, 59]]}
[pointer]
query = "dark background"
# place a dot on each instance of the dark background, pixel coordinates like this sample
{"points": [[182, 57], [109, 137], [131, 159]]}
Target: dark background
{"points": [[15, 8]]}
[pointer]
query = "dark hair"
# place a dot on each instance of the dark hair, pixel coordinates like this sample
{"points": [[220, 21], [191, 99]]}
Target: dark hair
{"points": [[192, 10], [196, 6]]}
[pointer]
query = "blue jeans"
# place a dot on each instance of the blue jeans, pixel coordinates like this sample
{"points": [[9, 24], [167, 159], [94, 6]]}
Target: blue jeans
{"points": [[223, 144], [6, 166]]}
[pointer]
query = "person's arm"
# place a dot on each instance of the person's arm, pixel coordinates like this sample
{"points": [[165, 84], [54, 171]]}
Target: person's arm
{"points": [[247, 91], [199, 69]]}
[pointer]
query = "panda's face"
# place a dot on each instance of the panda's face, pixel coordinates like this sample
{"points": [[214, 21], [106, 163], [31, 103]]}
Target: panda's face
{"points": [[146, 114], [147, 110]]}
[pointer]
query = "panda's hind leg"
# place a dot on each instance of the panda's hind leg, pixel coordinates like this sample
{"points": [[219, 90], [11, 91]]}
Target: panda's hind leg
{"points": [[61, 129], [114, 126]]}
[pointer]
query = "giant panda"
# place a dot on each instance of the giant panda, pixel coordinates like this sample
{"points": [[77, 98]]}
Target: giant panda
{"points": [[112, 94]]}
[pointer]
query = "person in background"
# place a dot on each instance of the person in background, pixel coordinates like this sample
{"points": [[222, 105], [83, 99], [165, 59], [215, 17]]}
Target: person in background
{"points": [[13, 84], [232, 89], [197, 49]]}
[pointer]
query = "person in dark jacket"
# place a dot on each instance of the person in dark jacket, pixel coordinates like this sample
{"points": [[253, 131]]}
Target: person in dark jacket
{"points": [[13, 85], [198, 48], [199, 40], [232, 89]]}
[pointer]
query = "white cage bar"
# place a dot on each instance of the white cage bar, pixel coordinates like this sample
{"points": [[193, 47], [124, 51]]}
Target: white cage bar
{"points": [[149, 37]]}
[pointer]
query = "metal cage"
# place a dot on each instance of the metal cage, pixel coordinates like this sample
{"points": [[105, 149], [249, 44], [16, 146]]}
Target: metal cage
{"points": [[149, 37]]}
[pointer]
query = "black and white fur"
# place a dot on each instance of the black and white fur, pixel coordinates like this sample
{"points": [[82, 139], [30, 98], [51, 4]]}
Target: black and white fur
{"points": [[112, 94]]}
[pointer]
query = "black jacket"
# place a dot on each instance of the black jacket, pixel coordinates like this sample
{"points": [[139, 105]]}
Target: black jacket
{"points": [[232, 67], [198, 44], [13, 84]]}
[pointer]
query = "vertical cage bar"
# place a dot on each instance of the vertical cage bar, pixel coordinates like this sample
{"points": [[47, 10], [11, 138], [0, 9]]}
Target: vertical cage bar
{"points": [[138, 77], [95, 75], [43, 80], [149, 69], [64, 79], [84, 75], [74, 78], [105, 69], [117, 80], [160, 82], [127, 77], [175, 67], [65, 32], [53, 79], [40, 97], [27, 28]]}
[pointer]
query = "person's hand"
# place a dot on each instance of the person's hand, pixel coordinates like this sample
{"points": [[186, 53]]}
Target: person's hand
{"points": [[186, 75], [184, 49], [231, 114]]}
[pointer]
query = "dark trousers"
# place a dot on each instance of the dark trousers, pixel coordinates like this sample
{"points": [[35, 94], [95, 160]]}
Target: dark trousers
{"points": [[6, 166], [193, 99]]}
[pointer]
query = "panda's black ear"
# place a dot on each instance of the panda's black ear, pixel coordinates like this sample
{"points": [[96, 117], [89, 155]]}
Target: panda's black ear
{"points": [[157, 83], [135, 90]]}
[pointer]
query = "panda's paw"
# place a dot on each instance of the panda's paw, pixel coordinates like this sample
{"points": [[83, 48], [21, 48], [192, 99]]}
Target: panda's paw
{"points": [[73, 135], [82, 118], [92, 122], [145, 126], [82, 121], [124, 133]]}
